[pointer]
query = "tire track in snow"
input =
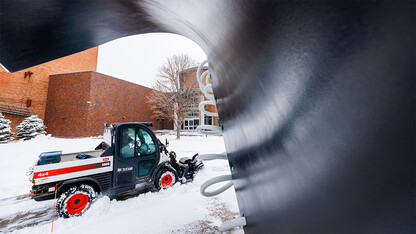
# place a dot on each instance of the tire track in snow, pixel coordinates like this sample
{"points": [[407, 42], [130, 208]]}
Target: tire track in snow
{"points": [[43, 213], [26, 217]]}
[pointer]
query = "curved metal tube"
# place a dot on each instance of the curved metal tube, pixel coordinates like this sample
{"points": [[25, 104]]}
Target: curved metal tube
{"points": [[213, 181]]}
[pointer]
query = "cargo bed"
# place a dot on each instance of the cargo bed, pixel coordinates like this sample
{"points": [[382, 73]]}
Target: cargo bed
{"points": [[71, 167]]}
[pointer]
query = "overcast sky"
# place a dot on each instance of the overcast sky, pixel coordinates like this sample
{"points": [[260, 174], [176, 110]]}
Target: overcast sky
{"points": [[137, 58]]}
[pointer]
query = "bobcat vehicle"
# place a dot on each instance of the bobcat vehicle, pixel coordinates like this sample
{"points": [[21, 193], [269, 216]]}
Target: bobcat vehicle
{"points": [[130, 155]]}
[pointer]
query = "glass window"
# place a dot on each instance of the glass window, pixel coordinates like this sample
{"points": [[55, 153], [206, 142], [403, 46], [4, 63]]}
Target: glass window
{"points": [[147, 146], [208, 120], [127, 142], [136, 142]]}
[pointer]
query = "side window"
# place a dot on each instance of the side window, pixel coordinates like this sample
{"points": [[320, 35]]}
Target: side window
{"points": [[127, 142], [145, 144]]}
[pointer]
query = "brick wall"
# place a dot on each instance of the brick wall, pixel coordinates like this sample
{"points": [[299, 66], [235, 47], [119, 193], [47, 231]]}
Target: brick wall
{"points": [[82, 61], [80, 103], [16, 89], [67, 107], [114, 100], [189, 80]]}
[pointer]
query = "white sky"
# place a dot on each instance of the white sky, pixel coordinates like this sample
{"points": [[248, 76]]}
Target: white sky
{"points": [[137, 58]]}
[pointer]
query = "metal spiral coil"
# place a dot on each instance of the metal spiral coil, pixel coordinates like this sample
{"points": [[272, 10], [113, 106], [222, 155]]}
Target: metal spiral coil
{"points": [[204, 81]]}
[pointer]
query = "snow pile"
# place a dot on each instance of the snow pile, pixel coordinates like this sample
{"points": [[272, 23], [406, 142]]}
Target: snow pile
{"points": [[180, 209], [5, 130], [30, 127]]}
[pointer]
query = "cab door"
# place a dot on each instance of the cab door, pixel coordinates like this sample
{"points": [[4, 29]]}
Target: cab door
{"points": [[136, 153]]}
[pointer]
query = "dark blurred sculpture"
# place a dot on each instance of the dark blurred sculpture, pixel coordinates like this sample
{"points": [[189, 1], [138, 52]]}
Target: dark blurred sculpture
{"points": [[317, 99]]}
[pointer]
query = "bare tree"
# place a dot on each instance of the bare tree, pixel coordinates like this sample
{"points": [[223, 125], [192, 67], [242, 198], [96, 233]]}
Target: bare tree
{"points": [[173, 96]]}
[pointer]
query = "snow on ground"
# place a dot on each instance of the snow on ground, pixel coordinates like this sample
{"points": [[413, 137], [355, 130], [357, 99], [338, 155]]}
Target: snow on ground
{"points": [[181, 209]]}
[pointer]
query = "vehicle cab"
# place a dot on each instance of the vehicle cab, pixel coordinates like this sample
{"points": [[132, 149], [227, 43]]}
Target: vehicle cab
{"points": [[137, 154]]}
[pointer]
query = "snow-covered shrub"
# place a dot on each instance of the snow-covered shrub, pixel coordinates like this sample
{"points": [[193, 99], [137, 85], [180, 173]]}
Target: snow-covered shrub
{"points": [[5, 130], [30, 127]]}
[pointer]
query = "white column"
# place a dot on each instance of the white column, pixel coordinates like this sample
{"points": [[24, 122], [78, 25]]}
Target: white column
{"points": [[201, 114], [175, 115]]}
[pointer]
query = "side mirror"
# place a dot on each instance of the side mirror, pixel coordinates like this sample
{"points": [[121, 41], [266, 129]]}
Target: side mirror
{"points": [[166, 142]]}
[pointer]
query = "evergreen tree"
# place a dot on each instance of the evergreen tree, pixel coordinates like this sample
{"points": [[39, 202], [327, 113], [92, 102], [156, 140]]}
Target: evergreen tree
{"points": [[30, 127], [5, 130]]}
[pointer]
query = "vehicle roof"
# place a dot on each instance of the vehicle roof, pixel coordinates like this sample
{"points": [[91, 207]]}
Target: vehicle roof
{"points": [[115, 125]]}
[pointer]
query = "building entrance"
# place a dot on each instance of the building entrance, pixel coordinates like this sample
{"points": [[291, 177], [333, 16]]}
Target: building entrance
{"points": [[190, 124]]}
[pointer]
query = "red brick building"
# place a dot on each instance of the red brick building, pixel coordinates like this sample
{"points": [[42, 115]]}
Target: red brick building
{"points": [[24, 92], [79, 104], [71, 98]]}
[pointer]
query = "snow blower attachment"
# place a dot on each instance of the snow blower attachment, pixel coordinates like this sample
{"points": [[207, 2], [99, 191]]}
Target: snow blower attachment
{"points": [[130, 155], [187, 167]]}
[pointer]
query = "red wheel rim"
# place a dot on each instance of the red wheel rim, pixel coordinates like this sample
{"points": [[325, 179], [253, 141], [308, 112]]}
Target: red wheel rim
{"points": [[166, 180], [77, 203]]}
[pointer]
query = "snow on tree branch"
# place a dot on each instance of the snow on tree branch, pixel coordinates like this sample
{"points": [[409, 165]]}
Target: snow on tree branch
{"points": [[30, 128], [5, 130]]}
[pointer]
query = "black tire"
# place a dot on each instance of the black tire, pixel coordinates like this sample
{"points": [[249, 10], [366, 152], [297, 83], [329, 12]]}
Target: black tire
{"points": [[165, 178], [75, 201]]}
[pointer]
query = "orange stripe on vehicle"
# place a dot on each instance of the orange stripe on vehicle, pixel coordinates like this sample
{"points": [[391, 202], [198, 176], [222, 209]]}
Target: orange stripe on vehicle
{"points": [[67, 170]]}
